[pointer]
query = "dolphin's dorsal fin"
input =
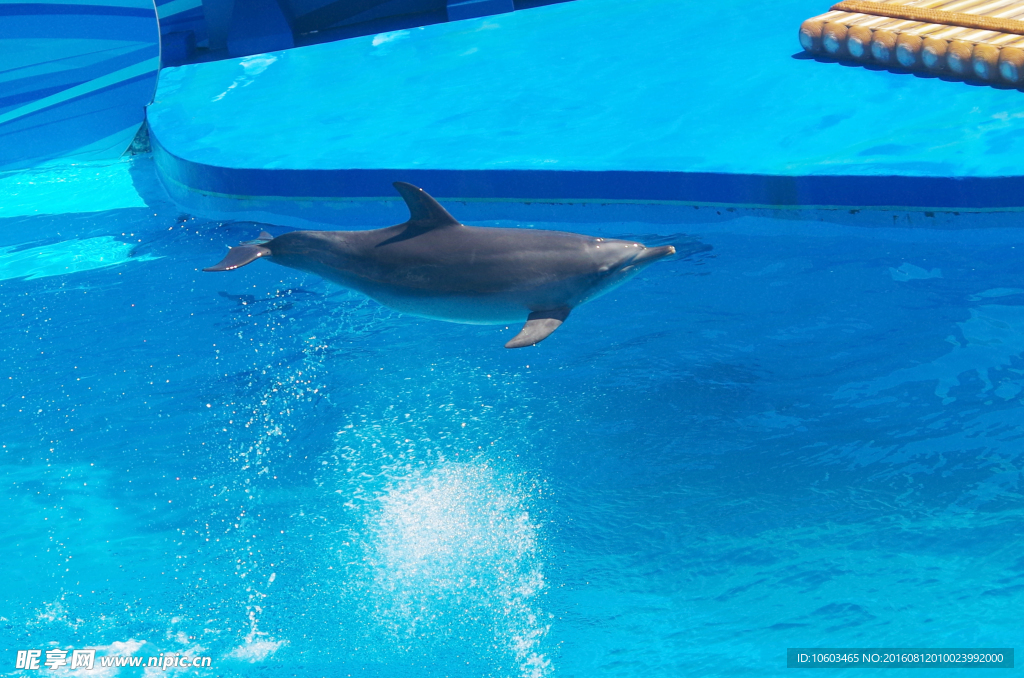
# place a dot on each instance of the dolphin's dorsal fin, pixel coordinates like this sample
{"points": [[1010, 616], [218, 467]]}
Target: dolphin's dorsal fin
{"points": [[539, 325], [424, 210]]}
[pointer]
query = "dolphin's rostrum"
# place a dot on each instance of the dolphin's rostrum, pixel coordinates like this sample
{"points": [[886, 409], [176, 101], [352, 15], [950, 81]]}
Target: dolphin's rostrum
{"points": [[435, 267]]}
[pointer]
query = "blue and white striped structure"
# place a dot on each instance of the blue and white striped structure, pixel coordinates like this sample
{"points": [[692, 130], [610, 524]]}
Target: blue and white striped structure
{"points": [[75, 77]]}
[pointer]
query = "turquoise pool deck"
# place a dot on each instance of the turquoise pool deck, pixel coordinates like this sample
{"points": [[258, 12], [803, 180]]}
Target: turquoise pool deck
{"points": [[592, 100]]}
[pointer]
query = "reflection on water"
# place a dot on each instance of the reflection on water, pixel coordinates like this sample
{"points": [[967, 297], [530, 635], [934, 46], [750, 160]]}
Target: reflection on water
{"points": [[66, 258]]}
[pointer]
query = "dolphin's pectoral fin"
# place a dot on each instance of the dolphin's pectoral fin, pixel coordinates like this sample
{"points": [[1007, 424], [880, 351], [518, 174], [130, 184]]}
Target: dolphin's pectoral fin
{"points": [[539, 325], [240, 256], [424, 211]]}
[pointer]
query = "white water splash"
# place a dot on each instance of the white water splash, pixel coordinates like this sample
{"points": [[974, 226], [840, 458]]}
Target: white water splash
{"points": [[255, 650], [453, 551]]}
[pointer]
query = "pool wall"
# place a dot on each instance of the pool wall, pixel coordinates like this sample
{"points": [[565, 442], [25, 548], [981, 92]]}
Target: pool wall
{"points": [[584, 102]]}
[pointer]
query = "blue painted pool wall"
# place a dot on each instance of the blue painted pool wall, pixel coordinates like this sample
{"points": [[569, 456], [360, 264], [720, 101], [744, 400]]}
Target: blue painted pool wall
{"points": [[855, 192], [416, 13], [258, 26], [177, 48], [345, 12], [228, 28], [182, 29], [175, 19], [471, 9]]}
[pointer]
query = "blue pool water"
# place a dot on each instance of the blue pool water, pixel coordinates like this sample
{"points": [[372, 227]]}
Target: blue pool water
{"points": [[805, 430]]}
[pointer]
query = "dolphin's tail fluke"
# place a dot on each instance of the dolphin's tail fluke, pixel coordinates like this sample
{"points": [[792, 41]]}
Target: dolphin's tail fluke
{"points": [[240, 256]]}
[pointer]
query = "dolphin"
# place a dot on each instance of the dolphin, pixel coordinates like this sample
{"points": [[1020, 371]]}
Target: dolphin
{"points": [[435, 267]]}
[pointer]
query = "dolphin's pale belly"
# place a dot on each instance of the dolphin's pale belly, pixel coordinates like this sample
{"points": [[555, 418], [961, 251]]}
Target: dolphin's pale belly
{"points": [[489, 309], [458, 310], [498, 307]]}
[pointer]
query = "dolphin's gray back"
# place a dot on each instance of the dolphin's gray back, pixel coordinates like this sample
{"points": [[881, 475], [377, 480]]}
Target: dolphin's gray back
{"points": [[452, 260]]}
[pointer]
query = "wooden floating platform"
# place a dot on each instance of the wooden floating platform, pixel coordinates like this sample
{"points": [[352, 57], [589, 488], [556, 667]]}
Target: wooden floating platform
{"points": [[969, 39]]}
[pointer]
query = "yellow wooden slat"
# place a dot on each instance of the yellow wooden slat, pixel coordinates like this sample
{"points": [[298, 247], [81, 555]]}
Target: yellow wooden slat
{"points": [[1012, 10], [932, 16], [988, 8]]}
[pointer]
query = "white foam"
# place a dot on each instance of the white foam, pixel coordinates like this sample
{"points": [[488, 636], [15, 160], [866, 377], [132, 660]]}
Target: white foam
{"points": [[453, 543], [256, 650]]}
